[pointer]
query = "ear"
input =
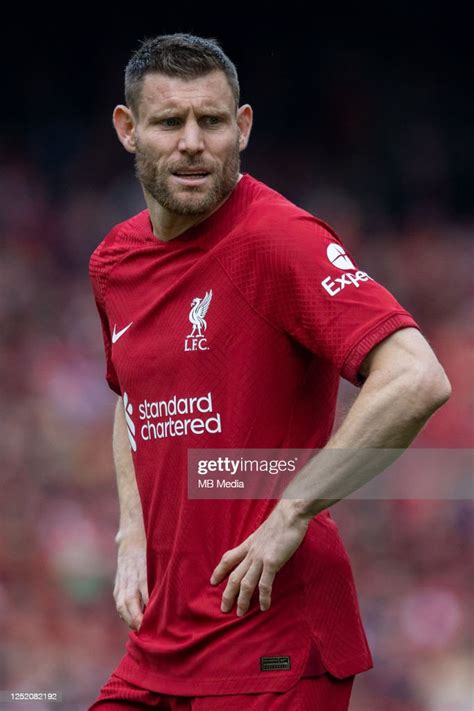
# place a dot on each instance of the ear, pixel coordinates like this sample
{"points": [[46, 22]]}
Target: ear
{"points": [[244, 122], [124, 125]]}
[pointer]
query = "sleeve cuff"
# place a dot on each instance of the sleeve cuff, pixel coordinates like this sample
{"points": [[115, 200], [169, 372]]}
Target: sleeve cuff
{"points": [[113, 385], [353, 361]]}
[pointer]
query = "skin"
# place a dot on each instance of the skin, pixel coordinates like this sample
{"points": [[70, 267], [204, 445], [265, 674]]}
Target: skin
{"points": [[131, 588], [404, 386], [404, 383], [179, 124], [184, 124]]}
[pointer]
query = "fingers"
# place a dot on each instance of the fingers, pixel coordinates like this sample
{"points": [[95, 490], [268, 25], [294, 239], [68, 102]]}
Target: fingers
{"points": [[247, 588], [135, 614], [130, 601], [265, 588], [143, 588], [242, 584], [257, 560], [243, 579], [229, 560], [130, 611], [131, 589], [233, 586]]}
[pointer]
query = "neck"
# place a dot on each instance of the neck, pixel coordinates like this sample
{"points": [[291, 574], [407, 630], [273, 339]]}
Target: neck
{"points": [[168, 225]]}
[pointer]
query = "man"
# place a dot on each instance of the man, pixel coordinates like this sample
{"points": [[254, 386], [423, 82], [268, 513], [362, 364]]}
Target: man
{"points": [[228, 316]]}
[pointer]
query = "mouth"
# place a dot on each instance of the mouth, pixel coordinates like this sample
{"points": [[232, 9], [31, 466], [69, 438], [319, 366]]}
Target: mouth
{"points": [[191, 177]]}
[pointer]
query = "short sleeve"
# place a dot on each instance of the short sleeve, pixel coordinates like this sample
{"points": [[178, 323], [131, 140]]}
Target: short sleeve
{"points": [[98, 286], [305, 283]]}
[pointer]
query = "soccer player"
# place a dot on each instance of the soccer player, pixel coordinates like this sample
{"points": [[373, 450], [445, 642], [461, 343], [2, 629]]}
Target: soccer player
{"points": [[229, 315]]}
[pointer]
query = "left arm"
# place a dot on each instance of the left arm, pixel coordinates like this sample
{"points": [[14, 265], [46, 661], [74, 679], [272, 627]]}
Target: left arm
{"points": [[405, 384]]}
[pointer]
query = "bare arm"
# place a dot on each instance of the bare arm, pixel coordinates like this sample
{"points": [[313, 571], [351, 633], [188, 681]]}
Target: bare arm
{"points": [[404, 386], [130, 591], [131, 516]]}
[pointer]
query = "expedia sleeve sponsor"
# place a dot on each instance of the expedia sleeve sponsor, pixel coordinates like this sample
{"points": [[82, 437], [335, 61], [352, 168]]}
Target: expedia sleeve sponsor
{"points": [[301, 280], [338, 258], [334, 286]]}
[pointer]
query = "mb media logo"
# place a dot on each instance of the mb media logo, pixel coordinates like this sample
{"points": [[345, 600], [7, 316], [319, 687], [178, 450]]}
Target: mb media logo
{"points": [[339, 259], [128, 408], [195, 341]]}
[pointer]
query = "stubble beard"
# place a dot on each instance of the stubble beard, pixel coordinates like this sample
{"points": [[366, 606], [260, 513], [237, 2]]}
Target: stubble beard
{"points": [[187, 200]]}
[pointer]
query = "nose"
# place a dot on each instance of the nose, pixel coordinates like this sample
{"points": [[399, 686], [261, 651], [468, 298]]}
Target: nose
{"points": [[191, 140]]}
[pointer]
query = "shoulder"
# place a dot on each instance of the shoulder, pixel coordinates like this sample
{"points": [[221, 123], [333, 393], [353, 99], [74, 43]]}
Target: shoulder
{"points": [[117, 242], [273, 226]]}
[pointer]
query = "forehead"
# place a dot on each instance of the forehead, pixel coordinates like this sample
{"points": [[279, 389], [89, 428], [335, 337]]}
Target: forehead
{"points": [[160, 92]]}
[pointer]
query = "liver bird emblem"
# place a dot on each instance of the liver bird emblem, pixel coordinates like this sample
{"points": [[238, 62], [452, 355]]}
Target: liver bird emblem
{"points": [[198, 311]]}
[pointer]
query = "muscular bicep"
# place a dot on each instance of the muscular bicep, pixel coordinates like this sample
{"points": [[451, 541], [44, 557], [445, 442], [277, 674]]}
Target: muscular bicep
{"points": [[404, 350]]}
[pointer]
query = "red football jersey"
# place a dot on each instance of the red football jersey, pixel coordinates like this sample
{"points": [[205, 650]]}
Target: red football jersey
{"points": [[234, 334]]}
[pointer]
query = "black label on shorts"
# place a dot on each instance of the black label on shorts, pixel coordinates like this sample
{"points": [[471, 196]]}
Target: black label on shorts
{"points": [[275, 663]]}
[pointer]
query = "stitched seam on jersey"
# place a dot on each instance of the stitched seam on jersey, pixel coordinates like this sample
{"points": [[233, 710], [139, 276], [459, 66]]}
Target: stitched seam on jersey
{"points": [[112, 268], [147, 248], [247, 677], [264, 318], [104, 275], [141, 662], [367, 335], [278, 329], [320, 229], [297, 390], [347, 660]]}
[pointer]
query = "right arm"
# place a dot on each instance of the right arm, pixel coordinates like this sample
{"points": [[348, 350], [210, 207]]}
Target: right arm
{"points": [[131, 590]]}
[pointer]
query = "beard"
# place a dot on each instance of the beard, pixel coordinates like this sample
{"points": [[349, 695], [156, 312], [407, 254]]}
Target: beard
{"points": [[187, 200]]}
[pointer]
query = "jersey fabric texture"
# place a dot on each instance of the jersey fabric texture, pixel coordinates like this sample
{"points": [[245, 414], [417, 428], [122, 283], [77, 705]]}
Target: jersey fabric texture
{"points": [[234, 335], [324, 693]]}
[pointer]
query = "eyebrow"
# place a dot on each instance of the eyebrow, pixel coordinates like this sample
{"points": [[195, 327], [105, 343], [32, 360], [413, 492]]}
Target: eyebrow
{"points": [[173, 111]]}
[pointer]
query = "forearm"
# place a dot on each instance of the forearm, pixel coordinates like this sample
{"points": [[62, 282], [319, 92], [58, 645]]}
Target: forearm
{"points": [[131, 516], [389, 412]]}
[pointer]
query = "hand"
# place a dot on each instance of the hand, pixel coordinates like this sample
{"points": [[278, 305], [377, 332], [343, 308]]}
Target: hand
{"points": [[131, 588], [258, 559]]}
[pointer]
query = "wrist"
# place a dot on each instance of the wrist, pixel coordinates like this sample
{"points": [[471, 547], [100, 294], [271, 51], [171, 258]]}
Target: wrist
{"points": [[295, 511], [130, 534]]}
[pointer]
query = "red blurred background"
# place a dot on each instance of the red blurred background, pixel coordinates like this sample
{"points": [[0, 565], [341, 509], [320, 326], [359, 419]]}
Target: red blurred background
{"points": [[362, 121]]}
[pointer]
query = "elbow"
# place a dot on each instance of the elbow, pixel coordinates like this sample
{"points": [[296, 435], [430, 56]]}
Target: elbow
{"points": [[445, 388], [430, 386]]}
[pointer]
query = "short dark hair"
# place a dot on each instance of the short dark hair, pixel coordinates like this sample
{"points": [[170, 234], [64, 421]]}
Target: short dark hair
{"points": [[177, 55]]}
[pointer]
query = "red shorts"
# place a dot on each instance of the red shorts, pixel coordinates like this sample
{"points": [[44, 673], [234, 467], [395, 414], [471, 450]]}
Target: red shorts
{"points": [[316, 693]]}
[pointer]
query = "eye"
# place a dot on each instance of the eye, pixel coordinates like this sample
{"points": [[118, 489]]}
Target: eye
{"points": [[213, 120], [170, 122]]}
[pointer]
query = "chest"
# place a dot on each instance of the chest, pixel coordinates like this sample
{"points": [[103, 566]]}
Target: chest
{"points": [[180, 317]]}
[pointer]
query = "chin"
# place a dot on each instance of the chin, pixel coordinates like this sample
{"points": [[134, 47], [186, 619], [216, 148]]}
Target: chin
{"points": [[191, 207]]}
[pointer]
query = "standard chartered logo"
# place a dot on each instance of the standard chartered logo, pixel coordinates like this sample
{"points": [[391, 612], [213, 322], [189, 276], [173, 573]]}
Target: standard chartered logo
{"points": [[128, 408], [176, 417]]}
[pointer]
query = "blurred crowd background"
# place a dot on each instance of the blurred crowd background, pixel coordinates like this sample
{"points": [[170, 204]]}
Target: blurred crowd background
{"points": [[366, 125]]}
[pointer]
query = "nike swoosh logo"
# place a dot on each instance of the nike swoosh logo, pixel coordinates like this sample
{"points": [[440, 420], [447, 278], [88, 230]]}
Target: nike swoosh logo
{"points": [[117, 334]]}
